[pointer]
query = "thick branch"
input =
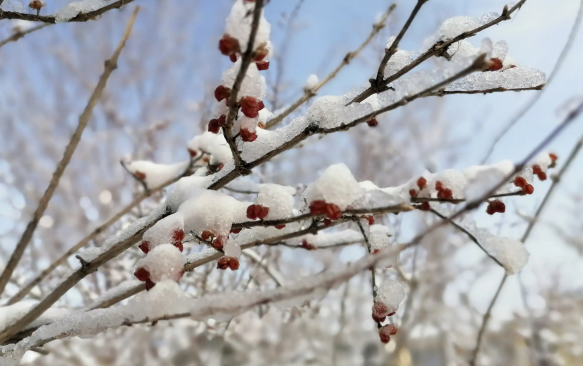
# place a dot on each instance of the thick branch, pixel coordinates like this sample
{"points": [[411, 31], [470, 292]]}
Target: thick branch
{"points": [[110, 65], [52, 18]]}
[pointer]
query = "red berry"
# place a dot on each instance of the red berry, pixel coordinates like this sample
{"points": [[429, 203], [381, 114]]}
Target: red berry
{"points": [[425, 206], [218, 243], [379, 310], [372, 122], [253, 211], [192, 153], [528, 189], [263, 65], [553, 157], [260, 53], [318, 207], [445, 194], [421, 183], [495, 64], [490, 210], [542, 176], [248, 136], [222, 120], [214, 126], [327, 222], [223, 263], [206, 235], [142, 274], [251, 106], [179, 245], [263, 212], [280, 226], [536, 169], [520, 182], [149, 285], [139, 175], [236, 231], [178, 235], [392, 329], [233, 264], [412, 193], [233, 57], [376, 251], [222, 92], [439, 186], [221, 166], [307, 245], [229, 45], [385, 334], [370, 219], [496, 206], [333, 212], [145, 246]]}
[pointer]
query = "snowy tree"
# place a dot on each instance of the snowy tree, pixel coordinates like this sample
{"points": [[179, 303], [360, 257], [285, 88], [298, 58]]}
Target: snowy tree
{"points": [[246, 246]]}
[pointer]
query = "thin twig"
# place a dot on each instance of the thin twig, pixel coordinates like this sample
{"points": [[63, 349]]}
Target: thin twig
{"points": [[100, 229], [345, 61], [443, 92], [81, 17], [233, 99], [558, 64], [373, 281], [110, 65], [470, 235], [439, 48], [556, 179], [18, 35], [389, 52]]}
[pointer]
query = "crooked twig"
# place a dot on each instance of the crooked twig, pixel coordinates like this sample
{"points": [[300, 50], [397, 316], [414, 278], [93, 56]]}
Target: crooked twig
{"points": [[110, 65], [18, 34], [81, 17], [309, 93]]}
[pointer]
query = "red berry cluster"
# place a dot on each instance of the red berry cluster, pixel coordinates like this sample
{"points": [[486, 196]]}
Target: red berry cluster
{"points": [[307, 245], [386, 332], [215, 124], [380, 311], [536, 170], [177, 238], [421, 183], [320, 207], [495, 64], [369, 218], [251, 106], [522, 183], [554, 158], [443, 192], [228, 262], [495, 206], [255, 212], [259, 59], [372, 122]]}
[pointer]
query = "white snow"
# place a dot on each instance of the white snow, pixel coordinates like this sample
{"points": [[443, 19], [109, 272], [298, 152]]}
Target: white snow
{"points": [[156, 174], [279, 199], [72, 9], [213, 144], [511, 253], [239, 25], [336, 185], [391, 293], [164, 262], [311, 82], [253, 84], [162, 232]]}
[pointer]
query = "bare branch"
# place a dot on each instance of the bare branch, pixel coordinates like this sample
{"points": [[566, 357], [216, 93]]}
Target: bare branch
{"points": [[52, 18], [442, 92], [558, 64], [345, 61], [18, 35], [439, 48], [110, 65], [574, 152]]}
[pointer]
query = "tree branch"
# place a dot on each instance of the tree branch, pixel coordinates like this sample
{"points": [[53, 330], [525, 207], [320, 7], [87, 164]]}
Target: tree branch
{"points": [[110, 65], [52, 18], [438, 49], [345, 61], [233, 102], [18, 35]]}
